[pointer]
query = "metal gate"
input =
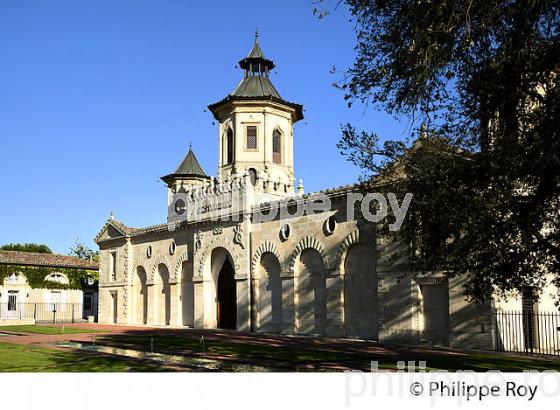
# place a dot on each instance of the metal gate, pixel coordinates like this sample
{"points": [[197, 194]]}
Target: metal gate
{"points": [[41, 312], [528, 332]]}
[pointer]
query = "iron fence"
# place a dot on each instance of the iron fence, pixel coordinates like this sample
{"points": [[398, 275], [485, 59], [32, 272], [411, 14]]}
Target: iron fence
{"points": [[42, 312], [528, 332]]}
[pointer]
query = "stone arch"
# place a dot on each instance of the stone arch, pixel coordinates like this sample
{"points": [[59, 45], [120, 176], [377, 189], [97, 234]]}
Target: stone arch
{"points": [[218, 242], [262, 249], [310, 293], [308, 242], [184, 270], [160, 260], [268, 293], [179, 265], [163, 291], [360, 292], [350, 240], [140, 295]]}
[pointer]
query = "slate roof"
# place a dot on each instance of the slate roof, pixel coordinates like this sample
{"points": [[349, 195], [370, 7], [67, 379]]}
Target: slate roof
{"points": [[190, 166], [256, 86], [45, 259]]}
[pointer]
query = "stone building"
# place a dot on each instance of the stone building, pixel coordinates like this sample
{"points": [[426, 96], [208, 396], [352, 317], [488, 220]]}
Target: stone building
{"points": [[227, 258], [54, 298]]}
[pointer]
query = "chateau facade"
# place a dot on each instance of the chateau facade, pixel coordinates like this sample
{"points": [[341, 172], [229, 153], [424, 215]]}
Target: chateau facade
{"points": [[225, 259]]}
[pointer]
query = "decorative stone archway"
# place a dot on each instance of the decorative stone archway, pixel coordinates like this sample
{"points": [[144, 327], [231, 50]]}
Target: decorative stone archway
{"points": [[263, 248], [140, 301], [308, 242], [206, 281], [267, 288], [354, 308]]}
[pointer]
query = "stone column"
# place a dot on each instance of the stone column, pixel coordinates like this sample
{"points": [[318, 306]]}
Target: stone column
{"points": [[152, 303], [243, 303], [255, 283], [128, 295], [132, 304], [175, 295], [288, 302], [335, 311], [198, 303]]}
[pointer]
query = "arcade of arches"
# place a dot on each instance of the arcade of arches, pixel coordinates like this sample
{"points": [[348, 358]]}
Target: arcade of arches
{"points": [[294, 304]]}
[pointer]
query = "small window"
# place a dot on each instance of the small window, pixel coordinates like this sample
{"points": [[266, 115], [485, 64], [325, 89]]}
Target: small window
{"points": [[276, 147], [251, 137], [229, 146], [113, 267]]}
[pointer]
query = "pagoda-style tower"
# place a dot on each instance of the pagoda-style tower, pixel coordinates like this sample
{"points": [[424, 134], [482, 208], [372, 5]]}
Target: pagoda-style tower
{"points": [[256, 127]]}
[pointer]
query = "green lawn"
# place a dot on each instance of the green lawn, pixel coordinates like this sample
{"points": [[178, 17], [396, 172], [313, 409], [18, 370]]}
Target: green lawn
{"points": [[24, 358], [45, 330], [315, 357]]}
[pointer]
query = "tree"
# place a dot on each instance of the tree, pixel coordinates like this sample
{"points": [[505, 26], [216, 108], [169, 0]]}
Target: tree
{"points": [[26, 247], [483, 78], [81, 251]]}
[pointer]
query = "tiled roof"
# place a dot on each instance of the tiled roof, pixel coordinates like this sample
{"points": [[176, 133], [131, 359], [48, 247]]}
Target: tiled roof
{"points": [[45, 259]]}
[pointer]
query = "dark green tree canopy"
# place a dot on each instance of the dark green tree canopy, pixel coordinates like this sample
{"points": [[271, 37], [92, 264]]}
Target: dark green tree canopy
{"points": [[26, 247], [483, 76]]}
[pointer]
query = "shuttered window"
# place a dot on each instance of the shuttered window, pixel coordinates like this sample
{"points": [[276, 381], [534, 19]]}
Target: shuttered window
{"points": [[276, 147], [251, 137]]}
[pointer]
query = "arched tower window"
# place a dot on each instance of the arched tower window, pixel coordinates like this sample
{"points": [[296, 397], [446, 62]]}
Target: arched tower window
{"points": [[276, 147], [229, 146]]}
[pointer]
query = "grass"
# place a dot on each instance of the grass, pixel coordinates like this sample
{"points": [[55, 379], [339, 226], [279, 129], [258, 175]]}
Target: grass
{"points": [[44, 330], [22, 358], [25, 358], [317, 358]]}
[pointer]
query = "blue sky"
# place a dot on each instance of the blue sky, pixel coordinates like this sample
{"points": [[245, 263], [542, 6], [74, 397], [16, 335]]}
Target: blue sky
{"points": [[98, 99]]}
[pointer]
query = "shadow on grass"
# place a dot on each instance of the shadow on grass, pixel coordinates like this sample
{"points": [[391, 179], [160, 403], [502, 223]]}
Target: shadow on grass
{"points": [[302, 354], [26, 358]]}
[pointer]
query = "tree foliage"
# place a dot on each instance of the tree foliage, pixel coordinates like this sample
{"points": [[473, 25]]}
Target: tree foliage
{"points": [[483, 76], [26, 247], [81, 251]]}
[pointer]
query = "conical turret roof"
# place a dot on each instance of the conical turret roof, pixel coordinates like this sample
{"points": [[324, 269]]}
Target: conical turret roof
{"points": [[190, 166]]}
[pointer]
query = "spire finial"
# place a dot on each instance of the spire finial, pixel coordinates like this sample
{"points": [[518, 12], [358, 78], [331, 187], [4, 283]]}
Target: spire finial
{"points": [[256, 35], [190, 145]]}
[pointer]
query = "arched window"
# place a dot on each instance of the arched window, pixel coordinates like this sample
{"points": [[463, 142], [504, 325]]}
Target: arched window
{"points": [[276, 147], [229, 146], [57, 278], [253, 176]]}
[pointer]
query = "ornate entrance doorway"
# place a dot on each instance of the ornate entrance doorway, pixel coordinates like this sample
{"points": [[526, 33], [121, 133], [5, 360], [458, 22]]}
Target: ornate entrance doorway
{"points": [[227, 297]]}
